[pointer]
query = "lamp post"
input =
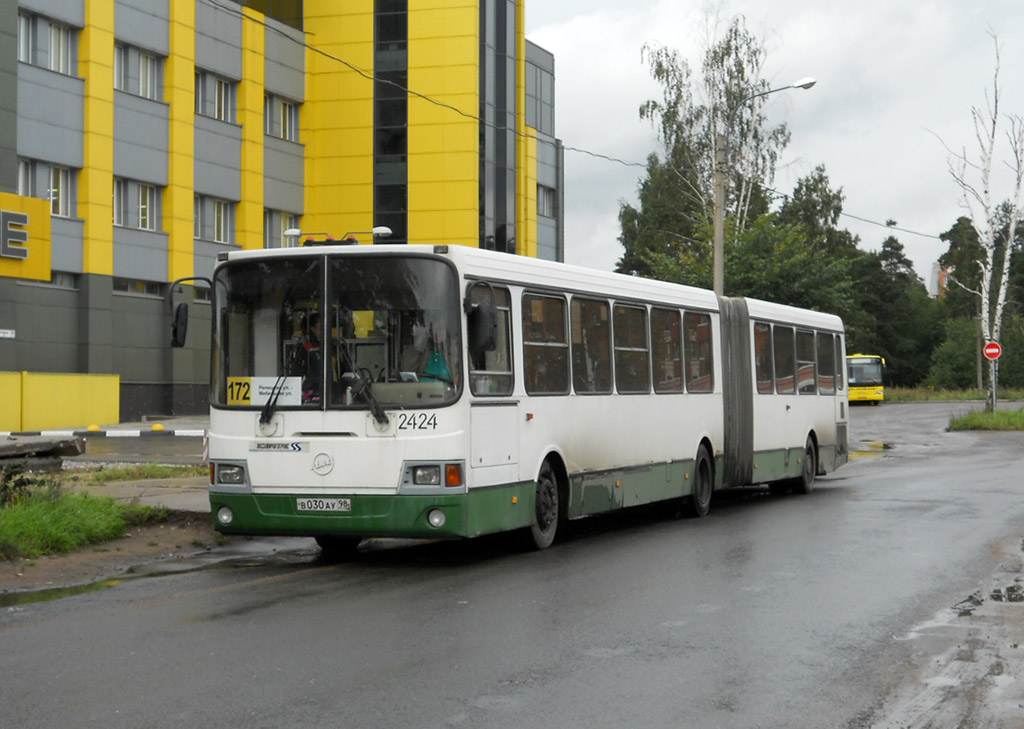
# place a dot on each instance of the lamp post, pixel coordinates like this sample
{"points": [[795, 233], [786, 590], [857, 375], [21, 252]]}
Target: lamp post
{"points": [[719, 184]]}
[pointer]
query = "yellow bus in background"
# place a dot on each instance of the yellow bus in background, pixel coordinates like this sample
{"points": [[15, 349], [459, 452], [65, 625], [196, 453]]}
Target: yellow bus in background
{"points": [[864, 372]]}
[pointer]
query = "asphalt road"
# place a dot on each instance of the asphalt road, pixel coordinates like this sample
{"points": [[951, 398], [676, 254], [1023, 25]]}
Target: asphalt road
{"points": [[801, 611]]}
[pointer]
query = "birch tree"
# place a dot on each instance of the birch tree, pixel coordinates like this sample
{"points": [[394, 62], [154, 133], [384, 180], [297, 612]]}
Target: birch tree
{"points": [[974, 177]]}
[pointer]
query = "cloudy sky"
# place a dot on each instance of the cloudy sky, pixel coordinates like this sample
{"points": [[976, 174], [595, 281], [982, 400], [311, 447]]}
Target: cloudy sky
{"points": [[894, 78]]}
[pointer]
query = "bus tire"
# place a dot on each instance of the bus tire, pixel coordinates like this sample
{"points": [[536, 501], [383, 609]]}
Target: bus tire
{"points": [[699, 503], [804, 483], [548, 511], [337, 547]]}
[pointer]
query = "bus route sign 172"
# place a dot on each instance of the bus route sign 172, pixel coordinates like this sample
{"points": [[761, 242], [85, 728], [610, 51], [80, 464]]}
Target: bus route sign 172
{"points": [[992, 350]]}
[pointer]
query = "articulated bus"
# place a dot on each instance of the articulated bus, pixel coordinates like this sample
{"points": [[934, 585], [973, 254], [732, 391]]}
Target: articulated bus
{"points": [[448, 392], [864, 372]]}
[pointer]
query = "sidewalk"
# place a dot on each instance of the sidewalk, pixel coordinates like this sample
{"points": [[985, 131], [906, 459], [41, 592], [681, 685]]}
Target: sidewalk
{"points": [[176, 494]]}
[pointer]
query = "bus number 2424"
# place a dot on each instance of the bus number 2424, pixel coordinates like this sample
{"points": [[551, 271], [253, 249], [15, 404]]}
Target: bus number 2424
{"points": [[417, 421]]}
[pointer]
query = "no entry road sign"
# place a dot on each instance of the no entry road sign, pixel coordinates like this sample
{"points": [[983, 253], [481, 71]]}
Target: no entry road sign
{"points": [[992, 350]]}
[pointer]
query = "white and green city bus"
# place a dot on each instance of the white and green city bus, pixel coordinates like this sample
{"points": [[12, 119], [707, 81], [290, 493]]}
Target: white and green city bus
{"points": [[454, 392]]}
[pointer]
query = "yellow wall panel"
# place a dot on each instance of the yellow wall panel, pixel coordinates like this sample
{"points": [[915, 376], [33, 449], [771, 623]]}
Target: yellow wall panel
{"points": [[35, 264], [179, 92], [10, 401], [249, 220], [96, 179], [69, 401]]}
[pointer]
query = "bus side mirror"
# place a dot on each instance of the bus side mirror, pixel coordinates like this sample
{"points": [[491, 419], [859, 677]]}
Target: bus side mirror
{"points": [[482, 323], [179, 328]]}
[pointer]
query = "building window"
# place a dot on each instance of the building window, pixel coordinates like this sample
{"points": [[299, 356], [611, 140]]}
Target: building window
{"points": [[25, 38], [200, 96], [148, 76], [142, 288], [60, 49], [545, 201], [26, 175], [120, 67], [268, 114], [224, 100], [222, 211], [197, 216], [60, 191], [289, 221], [147, 211], [120, 200], [289, 121]]}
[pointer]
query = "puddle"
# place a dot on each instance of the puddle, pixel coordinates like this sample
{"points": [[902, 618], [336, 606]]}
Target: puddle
{"points": [[13, 599], [871, 449]]}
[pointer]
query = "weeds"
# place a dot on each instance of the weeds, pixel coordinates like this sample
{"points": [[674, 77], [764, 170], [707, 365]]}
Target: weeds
{"points": [[38, 517], [999, 420]]}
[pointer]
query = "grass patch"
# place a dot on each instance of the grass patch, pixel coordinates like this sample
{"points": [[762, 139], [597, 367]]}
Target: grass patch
{"points": [[136, 472], [999, 420], [928, 394], [48, 520]]}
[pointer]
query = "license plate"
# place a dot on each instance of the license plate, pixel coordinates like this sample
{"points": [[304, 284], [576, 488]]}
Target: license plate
{"points": [[323, 504]]}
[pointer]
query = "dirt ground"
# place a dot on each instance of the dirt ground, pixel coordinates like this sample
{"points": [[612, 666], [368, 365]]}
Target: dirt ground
{"points": [[184, 533]]}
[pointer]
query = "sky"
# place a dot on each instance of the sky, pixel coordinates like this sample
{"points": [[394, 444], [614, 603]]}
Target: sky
{"points": [[896, 82]]}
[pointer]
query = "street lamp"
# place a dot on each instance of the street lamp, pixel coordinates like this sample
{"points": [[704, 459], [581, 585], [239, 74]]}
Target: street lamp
{"points": [[719, 184]]}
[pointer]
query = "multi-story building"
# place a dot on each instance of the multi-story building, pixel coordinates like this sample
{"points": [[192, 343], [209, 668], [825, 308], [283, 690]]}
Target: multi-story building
{"points": [[140, 138]]}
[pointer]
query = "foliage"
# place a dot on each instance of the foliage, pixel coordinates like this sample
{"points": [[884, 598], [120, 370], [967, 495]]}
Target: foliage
{"points": [[137, 472], [954, 362], [692, 117], [52, 521], [999, 420], [14, 482]]}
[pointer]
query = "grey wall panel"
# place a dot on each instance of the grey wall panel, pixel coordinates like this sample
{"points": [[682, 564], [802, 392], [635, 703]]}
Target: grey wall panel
{"points": [[140, 346], [140, 254], [44, 319], [141, 138], [71, 12], [51, 108], [285, 62], [143, 23], [205, 255], [66, 248], [218, 159], [8, 97], [218, 40], [283, 165]]}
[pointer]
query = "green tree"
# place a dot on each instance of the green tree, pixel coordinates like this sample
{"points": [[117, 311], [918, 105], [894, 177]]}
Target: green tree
{"points": [[676, 197]]}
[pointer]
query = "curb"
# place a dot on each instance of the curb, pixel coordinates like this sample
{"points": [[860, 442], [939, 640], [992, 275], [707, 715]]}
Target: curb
{"points": [[187, 433]]}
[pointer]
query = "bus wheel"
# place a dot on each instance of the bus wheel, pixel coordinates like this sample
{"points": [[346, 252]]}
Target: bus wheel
{"points": [[804, 483], [703, 484], [335, 547], [547, 511]]}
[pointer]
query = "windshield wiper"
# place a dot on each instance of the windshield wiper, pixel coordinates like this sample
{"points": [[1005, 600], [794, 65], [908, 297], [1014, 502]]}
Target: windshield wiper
{"points": [[268, 409]]}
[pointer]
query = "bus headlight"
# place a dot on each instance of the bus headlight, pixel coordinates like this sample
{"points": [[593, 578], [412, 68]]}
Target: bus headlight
{"points": [[230, 474], [436, 518], [224, 515], [426, 475]]}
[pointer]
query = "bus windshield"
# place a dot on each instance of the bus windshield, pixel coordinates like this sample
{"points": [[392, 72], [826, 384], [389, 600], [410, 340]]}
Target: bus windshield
{"points": [[864, 371], [349, 332]]}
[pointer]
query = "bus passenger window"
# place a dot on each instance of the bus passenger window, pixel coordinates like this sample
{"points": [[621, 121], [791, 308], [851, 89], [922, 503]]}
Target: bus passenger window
{"points": [[826, 365], [785, 371], [495, 376], [763, 358], [632, 368], [591, 347], [699, 359], [545, 345], [839, 363], [667, 350], [806, 380]]}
